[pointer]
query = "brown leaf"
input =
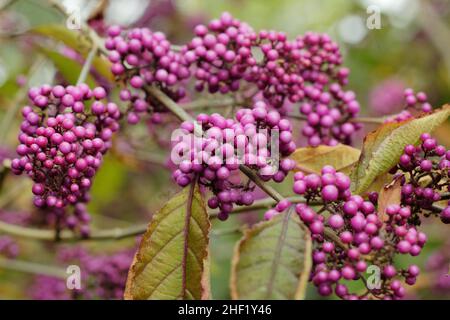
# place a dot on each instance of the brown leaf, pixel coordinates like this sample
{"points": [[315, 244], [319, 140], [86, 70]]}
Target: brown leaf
{"points": [[312, 159], [390, 194]]}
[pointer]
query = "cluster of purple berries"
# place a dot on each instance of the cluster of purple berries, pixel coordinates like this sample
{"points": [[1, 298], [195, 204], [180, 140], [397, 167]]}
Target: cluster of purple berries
{"points": [[417, 101], [327, 106], [438, 267], [224, 53], [258, 138], [221, 53], [399, 117], [360, 237], [140, 58], [63, 137], [413, 101], [102, 276], [428, 169], [278, 74]]}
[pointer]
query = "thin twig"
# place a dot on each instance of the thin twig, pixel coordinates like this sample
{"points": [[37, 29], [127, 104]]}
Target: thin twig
{"points": [[353, 120], [69, 236], [172, 106], [226, 232], [445, 196], [261, 184], [87, 64], [32, 267], [118, 233], [368, 120], [211, 103], [303, 169]]}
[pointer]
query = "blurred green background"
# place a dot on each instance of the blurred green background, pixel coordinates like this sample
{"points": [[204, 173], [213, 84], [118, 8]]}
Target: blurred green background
{"points": [[411, 49]]}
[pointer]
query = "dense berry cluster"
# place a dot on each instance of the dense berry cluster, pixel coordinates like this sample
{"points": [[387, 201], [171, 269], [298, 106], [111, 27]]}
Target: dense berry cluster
{"points": [[140, 58], [221, 53], [226, 52], [427, 167], [64, 134], [257, 138], [102, 276], [353, 236], [327, 106]]}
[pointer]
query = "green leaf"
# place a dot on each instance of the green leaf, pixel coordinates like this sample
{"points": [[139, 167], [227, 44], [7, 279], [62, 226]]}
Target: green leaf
{"points": [[78, 42], [383, 147], [109, 182], [172, 259], [68, 68], [272, 260], [313, 159]]}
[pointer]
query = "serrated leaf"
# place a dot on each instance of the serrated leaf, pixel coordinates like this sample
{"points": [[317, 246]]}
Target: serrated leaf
{"points": [[312, 159], [76, 41], [272, 260], [172, 258], [383, 147]]}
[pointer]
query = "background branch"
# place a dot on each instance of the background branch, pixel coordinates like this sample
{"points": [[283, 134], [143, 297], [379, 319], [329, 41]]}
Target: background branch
{"points": [[32, 267]]}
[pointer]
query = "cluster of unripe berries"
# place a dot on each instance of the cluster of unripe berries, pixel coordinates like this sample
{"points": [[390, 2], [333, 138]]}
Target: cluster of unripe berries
{"points": [[257, 138], [141, 58], [226, 52], [103, 276], [428, 168], [350, 236], [64, 134]]}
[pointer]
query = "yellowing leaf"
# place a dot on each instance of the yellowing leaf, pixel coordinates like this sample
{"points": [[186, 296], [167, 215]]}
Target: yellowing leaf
{"points": [[390, 194], [76, 41], [68, 68], [383, 147], [173, 255], [272, 260], [312, 159]]}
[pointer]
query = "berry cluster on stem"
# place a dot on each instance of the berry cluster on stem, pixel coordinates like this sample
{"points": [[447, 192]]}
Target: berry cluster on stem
{"points": [[64, 134]]}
